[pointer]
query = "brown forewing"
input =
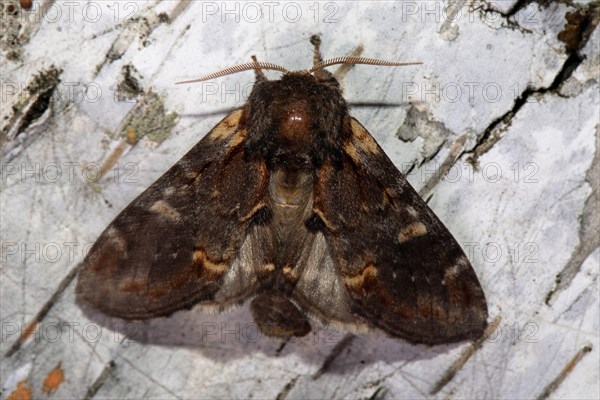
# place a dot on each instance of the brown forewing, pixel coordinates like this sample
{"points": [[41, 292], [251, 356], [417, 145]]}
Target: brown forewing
{"points": [[174, 245], [403, 270]]}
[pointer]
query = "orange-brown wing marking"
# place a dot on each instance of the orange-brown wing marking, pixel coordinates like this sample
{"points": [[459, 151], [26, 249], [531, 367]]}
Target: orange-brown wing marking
{"points": [[173, 245], [403, 270]]}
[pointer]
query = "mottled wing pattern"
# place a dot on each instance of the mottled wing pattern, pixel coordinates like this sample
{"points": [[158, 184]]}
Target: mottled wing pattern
{"points": [[402, 269], [194, 228]]}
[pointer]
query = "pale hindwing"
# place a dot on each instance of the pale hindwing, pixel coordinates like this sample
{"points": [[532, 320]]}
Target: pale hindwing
{"points": [[252, 262], [320, 290], [306, 268]]}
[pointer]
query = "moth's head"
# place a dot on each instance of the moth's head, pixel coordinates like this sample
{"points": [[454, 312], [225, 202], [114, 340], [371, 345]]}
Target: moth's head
{"points": [[292, 120], [299, 115], [296, 87]]}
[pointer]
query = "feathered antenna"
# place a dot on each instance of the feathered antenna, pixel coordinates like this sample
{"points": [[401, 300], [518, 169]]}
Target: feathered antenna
{"points": [[359, 60], [257, 65], [237, 68]]}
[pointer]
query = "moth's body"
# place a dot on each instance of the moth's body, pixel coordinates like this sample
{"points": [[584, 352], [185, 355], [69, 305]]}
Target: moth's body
{"points": [[294, 140], [290, 131], [289, 199]]}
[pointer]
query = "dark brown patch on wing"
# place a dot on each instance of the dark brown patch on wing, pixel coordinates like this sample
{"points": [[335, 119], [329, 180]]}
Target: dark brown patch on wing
{"points": [[171, 247], [404, 271]]}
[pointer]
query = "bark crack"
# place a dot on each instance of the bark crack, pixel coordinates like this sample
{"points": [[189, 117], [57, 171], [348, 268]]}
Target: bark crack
{"points": [[568, 368], [100, 380], [494, 131], [509, 21], [589, 229], [287, 388]]}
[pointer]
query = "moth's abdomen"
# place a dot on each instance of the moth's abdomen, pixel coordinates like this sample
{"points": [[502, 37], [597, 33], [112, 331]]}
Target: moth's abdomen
{"points": [[290, 199]]}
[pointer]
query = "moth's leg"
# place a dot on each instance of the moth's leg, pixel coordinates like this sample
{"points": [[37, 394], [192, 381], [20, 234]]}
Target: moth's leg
{"points": [[315, 40], [258, 74], [322, 74], [343, 69], [277, 316]]}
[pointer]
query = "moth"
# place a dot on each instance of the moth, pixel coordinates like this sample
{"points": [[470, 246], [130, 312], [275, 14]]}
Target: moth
{"points": [[288, 201]]}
